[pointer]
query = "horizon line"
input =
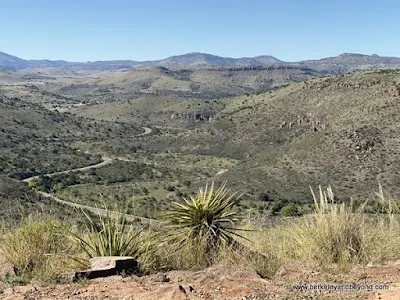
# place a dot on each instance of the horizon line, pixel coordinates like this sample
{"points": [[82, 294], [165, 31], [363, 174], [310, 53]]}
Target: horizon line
{"points": [[204, 53]]}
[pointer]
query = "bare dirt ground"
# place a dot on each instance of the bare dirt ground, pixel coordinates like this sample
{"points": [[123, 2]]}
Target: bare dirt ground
{"points": [[225, 283]]}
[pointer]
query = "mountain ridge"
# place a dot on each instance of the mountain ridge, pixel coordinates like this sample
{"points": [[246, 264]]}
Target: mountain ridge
{"points": [[337, 64]]}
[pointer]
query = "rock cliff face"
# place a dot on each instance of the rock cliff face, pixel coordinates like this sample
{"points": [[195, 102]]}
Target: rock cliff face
{"points": [[195, 116], [315, 124], [390, 88]]}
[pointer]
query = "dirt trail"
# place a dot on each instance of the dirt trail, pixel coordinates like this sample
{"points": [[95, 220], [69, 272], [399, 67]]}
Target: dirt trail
{"points": [[100, 211], [221, 172], [147, 131], [106, 161]]}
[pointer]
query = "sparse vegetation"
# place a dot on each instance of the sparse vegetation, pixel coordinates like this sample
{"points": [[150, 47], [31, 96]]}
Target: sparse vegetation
{"points": [[335, 234], [268, 143], [203, 231]]}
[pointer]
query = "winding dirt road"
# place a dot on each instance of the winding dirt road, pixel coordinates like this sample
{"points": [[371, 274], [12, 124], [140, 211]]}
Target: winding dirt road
{"points": [[98, 211], [106, 161], [147, 131]]}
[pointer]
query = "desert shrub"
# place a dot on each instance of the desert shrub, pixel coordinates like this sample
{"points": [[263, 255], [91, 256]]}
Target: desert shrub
{"points": [[264, 197], [289, 210], [170, 188], [113, 235], [38, 249]]}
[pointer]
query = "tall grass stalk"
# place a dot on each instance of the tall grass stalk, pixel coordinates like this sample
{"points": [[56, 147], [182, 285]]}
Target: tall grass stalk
{"points": [[338, 234]]}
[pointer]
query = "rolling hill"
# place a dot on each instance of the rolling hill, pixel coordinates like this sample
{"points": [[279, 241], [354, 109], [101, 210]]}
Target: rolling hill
{"points": [[9, 77], [350, 62], [332, 65], [34, 141], [339, 130]]}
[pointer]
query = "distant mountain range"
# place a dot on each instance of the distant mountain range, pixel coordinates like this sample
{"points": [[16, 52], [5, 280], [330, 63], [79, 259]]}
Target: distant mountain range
{"points": [[332, 65]]}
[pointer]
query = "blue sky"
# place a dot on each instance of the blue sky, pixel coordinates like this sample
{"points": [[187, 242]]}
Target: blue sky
{"points": [[291, 30]]}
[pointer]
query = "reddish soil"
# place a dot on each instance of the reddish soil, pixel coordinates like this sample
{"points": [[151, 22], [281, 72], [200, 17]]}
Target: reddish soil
{"points": [[223, 283]]}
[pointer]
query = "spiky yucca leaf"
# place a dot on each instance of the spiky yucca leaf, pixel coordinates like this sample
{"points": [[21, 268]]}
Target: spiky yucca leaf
{"points": [[111, 236], [209, 217]]}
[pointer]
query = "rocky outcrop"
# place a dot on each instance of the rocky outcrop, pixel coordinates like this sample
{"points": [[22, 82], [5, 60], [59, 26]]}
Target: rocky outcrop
{"points": [[195, 116], [343, 84], [315, 124], [356, 84], [362, 141], [389, 88], [393, 91]]}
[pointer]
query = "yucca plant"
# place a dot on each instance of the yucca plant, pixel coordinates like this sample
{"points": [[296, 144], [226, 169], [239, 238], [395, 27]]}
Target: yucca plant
{"points": [[111, 235], [206, 221]]}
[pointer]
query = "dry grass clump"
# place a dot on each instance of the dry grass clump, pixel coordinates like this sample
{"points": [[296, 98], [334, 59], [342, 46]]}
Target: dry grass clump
{"points": [[339, 234], [39, 249]]}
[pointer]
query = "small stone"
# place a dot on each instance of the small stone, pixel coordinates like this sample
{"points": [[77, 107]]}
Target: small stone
{"points": [[8, 291], [108, 266], [160, 278], [25, 289], [182, 289]]}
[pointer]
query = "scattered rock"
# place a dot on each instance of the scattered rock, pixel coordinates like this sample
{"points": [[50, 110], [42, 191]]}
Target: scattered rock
{"points": [[75, 293], [166, 293], [182, 289], [222, 282], [160, 277], [394, 91], [363, 140], [108, 266], [198, 117]]}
